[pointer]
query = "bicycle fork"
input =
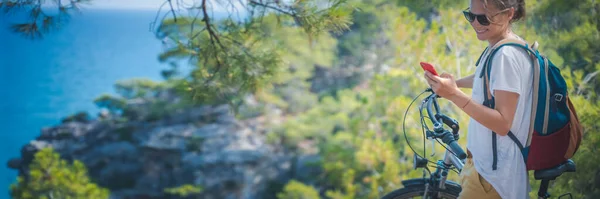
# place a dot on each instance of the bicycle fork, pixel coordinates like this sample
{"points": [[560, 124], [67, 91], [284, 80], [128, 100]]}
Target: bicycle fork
{"points": [[437, 178], [441, 176]]}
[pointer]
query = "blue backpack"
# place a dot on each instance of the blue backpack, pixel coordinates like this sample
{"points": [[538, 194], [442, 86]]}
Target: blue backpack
{"points": [[555, 131]]}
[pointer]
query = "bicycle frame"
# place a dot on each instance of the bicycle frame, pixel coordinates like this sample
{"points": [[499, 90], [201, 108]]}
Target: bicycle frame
{"points": [[449, 159], [439, 177]]}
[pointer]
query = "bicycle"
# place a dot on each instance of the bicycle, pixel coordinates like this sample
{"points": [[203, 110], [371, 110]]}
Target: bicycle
{"points": [[437, 185]]}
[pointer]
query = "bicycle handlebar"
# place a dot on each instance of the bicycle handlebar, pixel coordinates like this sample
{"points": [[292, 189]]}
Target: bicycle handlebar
{"points": [[437, 126], [439, 132], [449, 140]]}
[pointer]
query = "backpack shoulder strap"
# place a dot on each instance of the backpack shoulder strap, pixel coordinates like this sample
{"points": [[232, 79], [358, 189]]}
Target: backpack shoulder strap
{"points": [[507, 42], [516, 141], [479, 59], [487, 65]]}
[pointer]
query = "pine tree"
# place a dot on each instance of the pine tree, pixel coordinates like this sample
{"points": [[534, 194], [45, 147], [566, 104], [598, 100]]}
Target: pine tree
{"points": [[50, 177], [236, 56]]}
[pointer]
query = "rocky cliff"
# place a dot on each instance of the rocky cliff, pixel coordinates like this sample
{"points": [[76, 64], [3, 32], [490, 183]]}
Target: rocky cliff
{"points": [[203, 145]]}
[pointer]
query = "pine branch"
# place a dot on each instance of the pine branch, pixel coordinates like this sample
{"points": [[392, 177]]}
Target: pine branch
{"points": [[172, 10], [39, 19], [213, 36], [273, 8], [227, 64]]}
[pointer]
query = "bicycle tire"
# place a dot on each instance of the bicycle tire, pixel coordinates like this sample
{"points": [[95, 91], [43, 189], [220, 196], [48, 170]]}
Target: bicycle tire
{"points": [[416, 191]]}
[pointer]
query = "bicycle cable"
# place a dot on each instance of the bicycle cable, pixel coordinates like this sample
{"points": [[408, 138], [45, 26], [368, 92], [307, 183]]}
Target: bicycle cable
{"points": [[444, 167], [452, 152], [404, 125], [423, 127], [427, 127]]}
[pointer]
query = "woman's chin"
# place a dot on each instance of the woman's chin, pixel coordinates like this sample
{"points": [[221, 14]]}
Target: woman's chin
{"points": [[482, 37]]}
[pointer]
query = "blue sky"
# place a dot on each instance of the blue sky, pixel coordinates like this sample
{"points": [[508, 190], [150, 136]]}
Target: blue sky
{"points": [[155, 4]]}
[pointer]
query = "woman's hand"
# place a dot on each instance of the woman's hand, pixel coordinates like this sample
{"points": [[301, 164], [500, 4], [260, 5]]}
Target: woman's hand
{"points": [[443, 85]]}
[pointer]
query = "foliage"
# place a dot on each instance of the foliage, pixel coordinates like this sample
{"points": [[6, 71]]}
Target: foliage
{"points": [[231, 56], [185, 190], [52, 177], [143, 99], [298, 190], [357, 129], [574, 29], [112, 104], [348, 187], [77, 117], [139, 88]]}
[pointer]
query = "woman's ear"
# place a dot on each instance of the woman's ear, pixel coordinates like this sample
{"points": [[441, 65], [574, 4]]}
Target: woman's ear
{"points": [[511, 14]]}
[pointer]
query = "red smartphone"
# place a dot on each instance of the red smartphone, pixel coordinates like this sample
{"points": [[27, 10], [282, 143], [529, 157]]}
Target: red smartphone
{"points": [[428, 67]]}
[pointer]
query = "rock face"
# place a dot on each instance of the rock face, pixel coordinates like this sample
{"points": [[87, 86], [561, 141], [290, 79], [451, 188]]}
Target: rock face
{"points": [[204, 146]]}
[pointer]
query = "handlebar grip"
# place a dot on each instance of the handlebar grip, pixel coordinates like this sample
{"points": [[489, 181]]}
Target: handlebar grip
{"points": [[448, 138], [457, 150]]}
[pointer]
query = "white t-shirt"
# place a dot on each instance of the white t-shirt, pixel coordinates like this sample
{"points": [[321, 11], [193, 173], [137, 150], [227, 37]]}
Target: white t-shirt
{"points": [[511, 71]]}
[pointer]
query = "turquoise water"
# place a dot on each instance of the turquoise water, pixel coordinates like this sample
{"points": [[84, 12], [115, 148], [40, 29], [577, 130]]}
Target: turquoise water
{"points": [[45, 80]]}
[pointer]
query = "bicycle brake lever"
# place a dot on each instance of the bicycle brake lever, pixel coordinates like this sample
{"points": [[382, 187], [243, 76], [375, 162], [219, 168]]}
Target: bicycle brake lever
{"points": [[452, 123]]}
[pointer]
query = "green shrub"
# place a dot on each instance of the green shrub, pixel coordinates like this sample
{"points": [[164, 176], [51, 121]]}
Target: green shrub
{"points": [[298, 190], [52, 177], [114, 105], [185, 190], [77, 117]]}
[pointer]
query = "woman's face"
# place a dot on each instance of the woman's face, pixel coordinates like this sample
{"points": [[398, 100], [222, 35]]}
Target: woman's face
{"points": [[500, 20]]}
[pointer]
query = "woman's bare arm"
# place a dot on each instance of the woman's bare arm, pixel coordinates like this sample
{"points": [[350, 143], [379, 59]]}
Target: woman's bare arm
{"points": [[498, 120], [465, 82]]}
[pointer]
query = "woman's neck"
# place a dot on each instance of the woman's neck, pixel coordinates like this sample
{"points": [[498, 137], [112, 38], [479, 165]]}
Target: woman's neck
{"points": [[506, 34]]}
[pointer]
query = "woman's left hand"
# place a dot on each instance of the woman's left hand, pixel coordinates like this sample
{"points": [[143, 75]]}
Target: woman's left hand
{"points": [[443, 85]]}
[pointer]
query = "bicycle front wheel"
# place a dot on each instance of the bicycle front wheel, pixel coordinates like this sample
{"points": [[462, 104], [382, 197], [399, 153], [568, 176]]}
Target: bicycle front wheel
{"points": [[417, 191]]}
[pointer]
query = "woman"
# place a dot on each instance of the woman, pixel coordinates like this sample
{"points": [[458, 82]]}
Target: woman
{"points": [[511, 85]]}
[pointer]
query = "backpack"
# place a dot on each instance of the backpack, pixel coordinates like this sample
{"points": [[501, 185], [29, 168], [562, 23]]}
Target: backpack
{"points": [[555, 131]]}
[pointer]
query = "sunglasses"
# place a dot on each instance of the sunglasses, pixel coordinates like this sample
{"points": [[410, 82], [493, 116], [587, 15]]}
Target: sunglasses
{"points": [[482, 19]]}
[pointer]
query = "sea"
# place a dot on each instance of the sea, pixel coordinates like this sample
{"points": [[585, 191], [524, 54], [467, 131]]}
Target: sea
{"points": [[44, 80]]}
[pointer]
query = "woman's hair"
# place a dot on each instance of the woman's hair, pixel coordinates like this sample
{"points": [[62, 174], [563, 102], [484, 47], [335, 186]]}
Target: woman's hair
{"points": [[519, 6]]}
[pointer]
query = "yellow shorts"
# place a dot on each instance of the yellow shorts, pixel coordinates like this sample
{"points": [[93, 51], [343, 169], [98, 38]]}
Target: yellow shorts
{"points": [[473, 185]]}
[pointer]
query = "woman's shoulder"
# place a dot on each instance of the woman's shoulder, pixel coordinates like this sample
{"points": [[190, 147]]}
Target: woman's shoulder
{"points": [[512, 54], [512, 51]]}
